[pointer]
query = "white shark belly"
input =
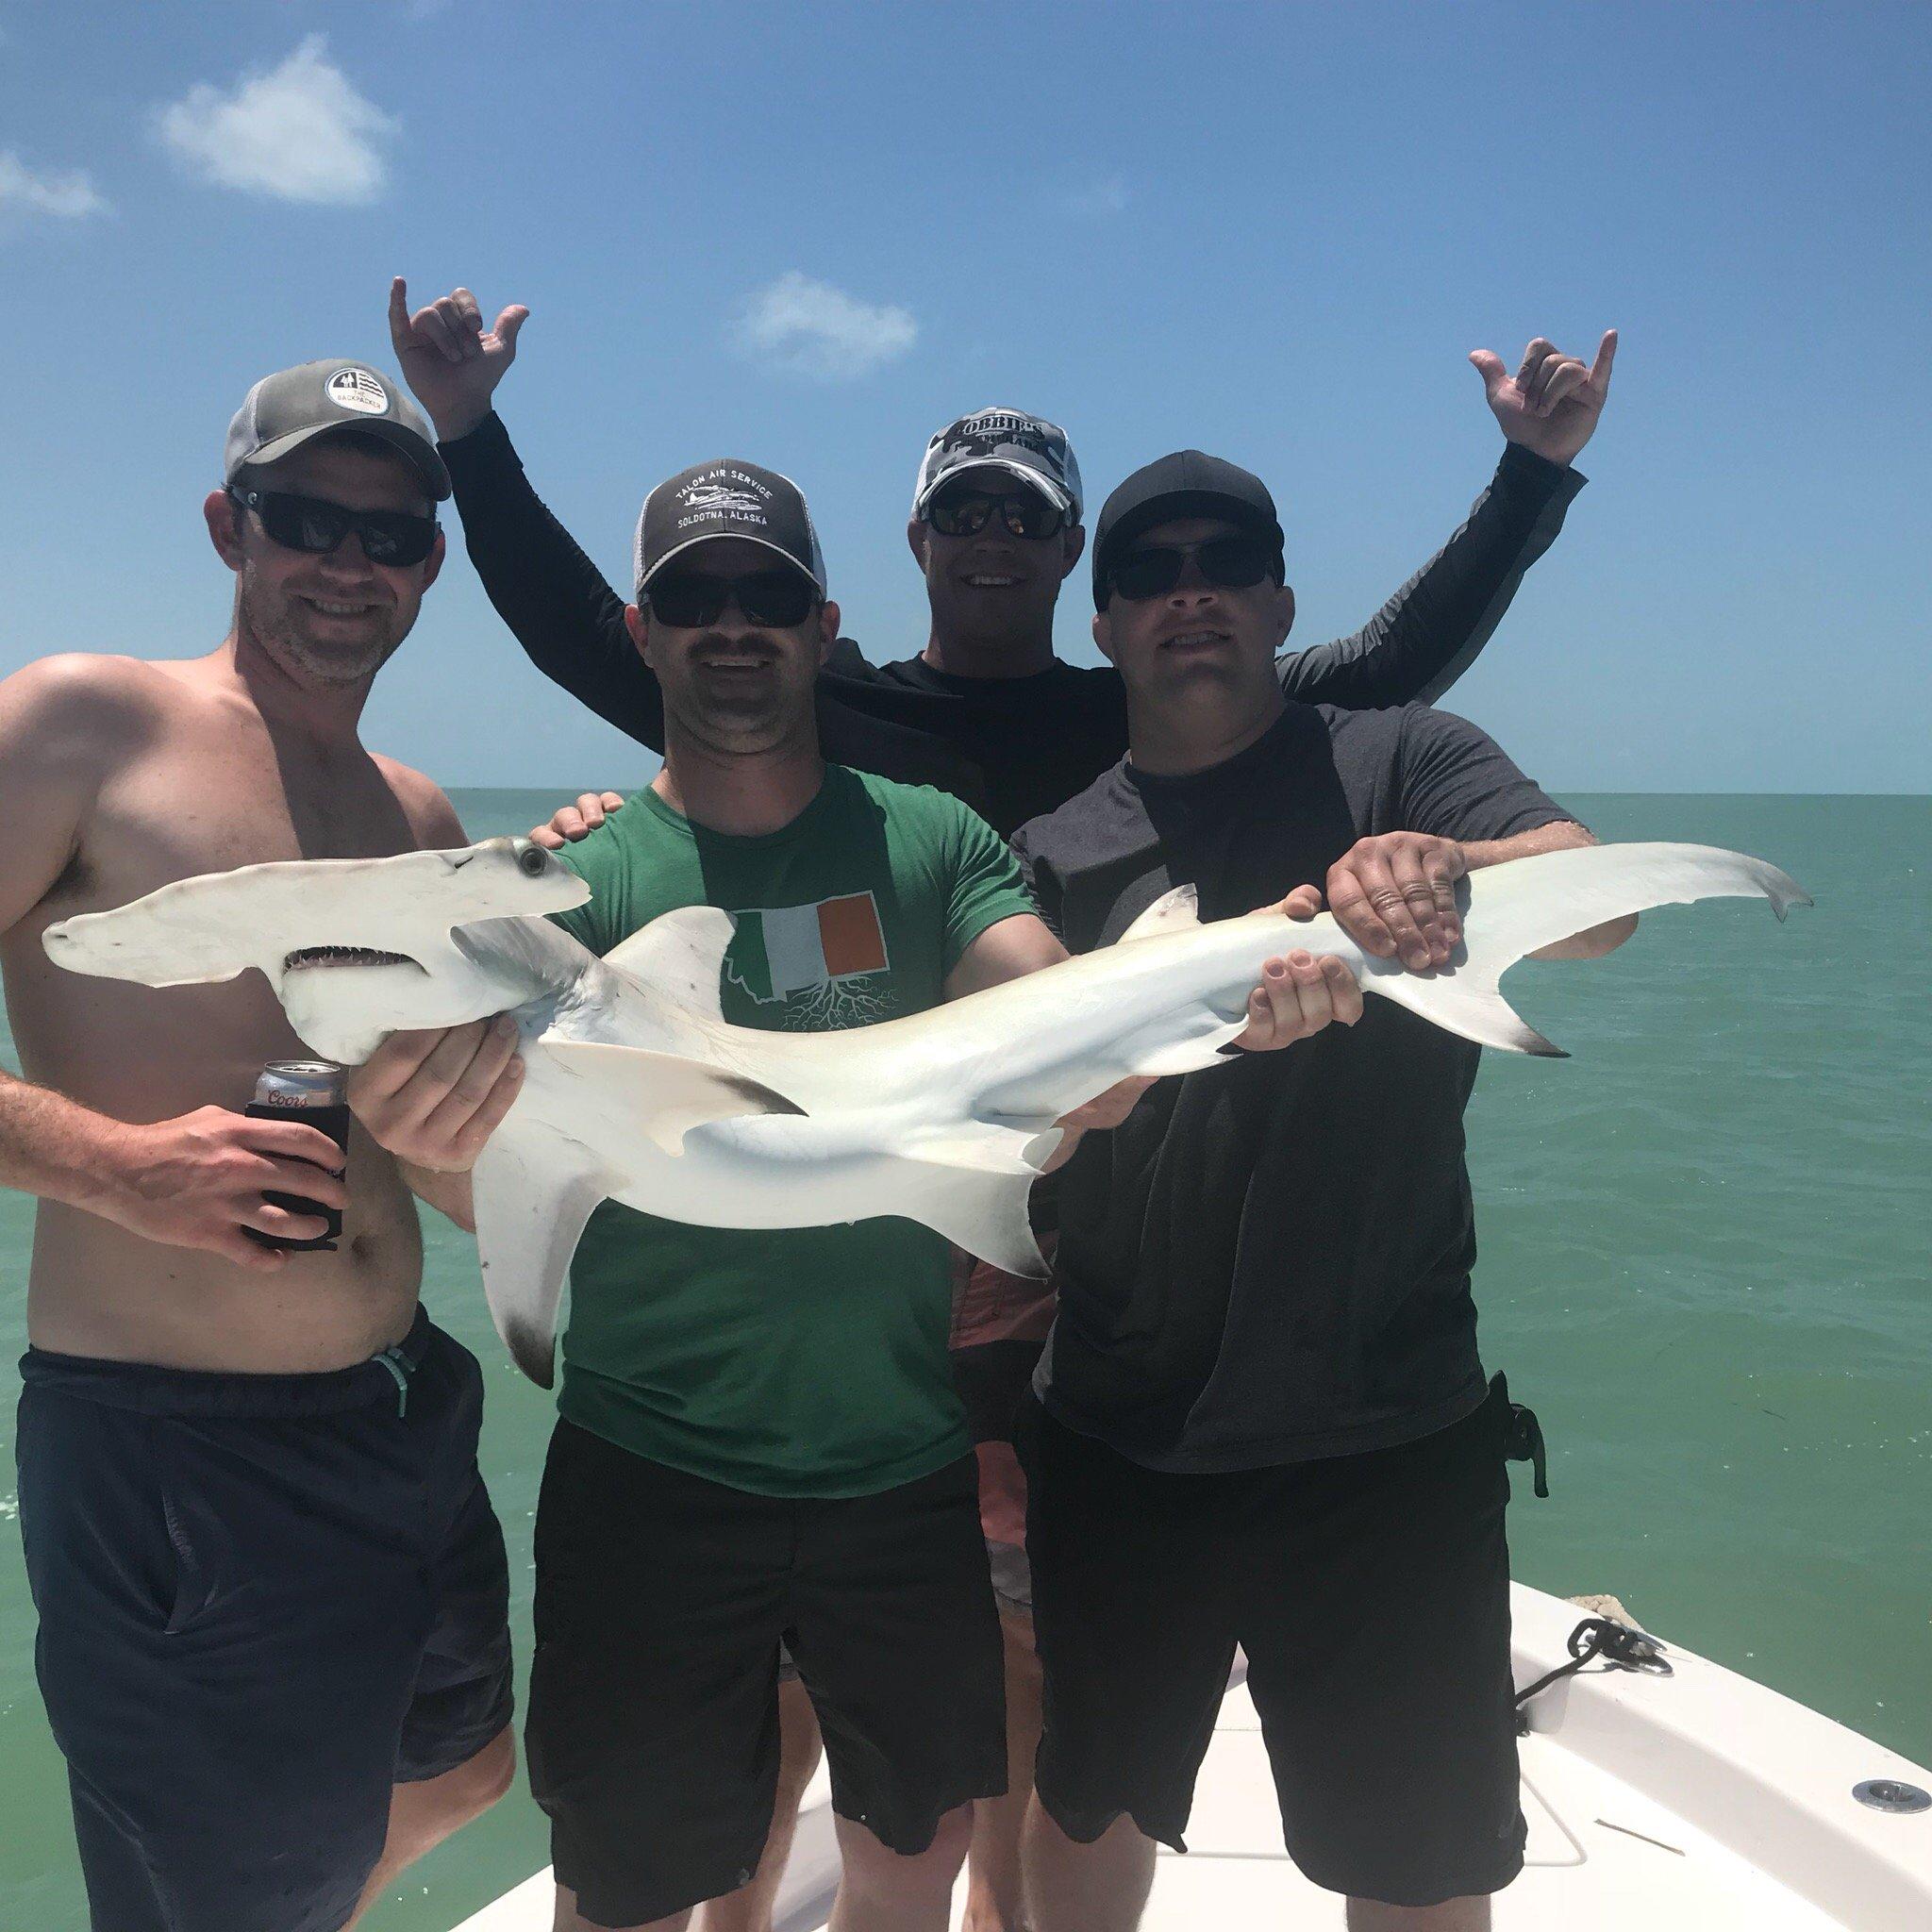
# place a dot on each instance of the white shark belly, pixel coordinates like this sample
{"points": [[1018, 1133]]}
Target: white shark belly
{"points": [[780, 1171]]}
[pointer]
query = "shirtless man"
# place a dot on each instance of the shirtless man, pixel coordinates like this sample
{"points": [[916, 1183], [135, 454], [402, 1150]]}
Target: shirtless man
{"points": [[273, 1596]]}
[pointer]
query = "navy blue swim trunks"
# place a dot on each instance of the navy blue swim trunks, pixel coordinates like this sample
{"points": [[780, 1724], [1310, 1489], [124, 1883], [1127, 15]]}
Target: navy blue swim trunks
{"points": [[264, 1601]]}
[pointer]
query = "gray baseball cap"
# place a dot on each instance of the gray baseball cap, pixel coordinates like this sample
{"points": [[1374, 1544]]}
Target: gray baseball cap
{"points": [[293, 407], [1029, 447]]}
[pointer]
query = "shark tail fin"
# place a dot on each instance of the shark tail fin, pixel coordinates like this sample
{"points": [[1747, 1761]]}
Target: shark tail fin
{"points": [[531, 1207], [664, 1093], [1516, 909]]}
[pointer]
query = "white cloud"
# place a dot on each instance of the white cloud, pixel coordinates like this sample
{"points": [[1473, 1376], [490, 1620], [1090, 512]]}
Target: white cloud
{"points": [[813, 329], [299, 132], [1106, 196], [67, 196]]}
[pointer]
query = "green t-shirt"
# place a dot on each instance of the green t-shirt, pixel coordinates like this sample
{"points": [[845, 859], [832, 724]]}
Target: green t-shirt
{"points": [[807, 1361]]}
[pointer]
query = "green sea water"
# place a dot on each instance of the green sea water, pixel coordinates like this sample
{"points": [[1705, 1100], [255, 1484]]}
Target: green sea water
{"points": [[1705, 1262]]}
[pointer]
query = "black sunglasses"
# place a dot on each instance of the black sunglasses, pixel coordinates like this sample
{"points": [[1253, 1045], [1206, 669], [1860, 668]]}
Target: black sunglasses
{"points": [[689, 599], [310, 525], [1225, 563], [966, 513]]}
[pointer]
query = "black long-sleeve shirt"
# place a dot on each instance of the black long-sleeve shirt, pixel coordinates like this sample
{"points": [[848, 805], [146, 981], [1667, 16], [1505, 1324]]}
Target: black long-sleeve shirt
{"points": [[1011, 747]]}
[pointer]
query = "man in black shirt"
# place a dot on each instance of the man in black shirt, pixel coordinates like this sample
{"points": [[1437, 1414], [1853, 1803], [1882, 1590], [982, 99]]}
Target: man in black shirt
{"points": [[986, 710], [1263, 1419]]}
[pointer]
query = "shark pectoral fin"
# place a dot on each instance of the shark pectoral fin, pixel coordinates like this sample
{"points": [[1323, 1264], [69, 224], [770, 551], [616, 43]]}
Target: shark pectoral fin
{"points": [[681, 957], [531, 1206], [660, 1095], [980, 1208], [1176, 912]]}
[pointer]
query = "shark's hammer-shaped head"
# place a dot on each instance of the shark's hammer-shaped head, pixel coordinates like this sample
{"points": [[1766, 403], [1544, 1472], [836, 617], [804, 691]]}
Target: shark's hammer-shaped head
{"points": [[353, 947]]}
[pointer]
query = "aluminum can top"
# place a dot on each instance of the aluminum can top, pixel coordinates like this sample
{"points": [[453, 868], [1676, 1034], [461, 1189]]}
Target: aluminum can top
{"points": [[302, 1084]]}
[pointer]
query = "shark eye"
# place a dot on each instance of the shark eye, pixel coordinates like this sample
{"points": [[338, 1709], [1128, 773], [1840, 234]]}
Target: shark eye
{"points": [[531, 861]]}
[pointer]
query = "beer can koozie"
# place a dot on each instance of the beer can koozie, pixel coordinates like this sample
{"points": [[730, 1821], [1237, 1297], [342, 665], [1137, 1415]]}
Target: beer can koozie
{"points": [[316, 1092]]}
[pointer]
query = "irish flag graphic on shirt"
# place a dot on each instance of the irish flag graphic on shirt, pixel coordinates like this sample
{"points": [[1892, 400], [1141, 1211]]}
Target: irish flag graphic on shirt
{"points": [[779, 952]]}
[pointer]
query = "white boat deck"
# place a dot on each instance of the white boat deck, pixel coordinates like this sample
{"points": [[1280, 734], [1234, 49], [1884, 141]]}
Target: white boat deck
{"points": [[1695, 1803]]}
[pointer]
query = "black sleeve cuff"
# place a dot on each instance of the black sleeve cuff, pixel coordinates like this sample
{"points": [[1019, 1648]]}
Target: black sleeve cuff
{"points": [[485, 449], [1520, 474]]}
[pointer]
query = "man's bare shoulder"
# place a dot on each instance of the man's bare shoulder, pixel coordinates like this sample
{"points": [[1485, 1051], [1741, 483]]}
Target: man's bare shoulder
{"points": [[85, 690], [68, 720], [431, 816]]}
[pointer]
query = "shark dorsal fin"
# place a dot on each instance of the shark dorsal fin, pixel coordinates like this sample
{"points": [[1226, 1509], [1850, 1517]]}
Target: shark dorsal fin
{"points": [[664, 1094], [1175, 911], [681, 957]]}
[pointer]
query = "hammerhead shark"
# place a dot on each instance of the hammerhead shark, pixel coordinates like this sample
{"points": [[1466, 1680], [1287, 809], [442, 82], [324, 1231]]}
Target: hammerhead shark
{"points": [[638, 1090]]}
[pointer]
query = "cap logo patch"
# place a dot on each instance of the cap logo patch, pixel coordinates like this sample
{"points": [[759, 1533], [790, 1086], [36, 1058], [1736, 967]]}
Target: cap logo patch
{"points": [[999, 423], [359, 389], [722, 494]]}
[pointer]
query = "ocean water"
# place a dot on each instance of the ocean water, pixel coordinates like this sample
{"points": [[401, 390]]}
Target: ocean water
{"points": [[1705, 1262]]}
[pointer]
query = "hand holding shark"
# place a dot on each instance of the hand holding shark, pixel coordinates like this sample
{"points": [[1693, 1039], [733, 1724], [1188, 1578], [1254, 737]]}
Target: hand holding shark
{"points": [[636, 1089]]}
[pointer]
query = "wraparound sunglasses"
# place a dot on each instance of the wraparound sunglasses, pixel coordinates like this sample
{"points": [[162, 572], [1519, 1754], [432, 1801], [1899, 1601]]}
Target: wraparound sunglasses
{"points": [[1227, 564], [689, 599], [310, 525], [966, 513]]}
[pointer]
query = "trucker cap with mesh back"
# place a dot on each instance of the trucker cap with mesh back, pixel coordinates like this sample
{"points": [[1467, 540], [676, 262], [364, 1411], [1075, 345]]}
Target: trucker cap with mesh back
{"points": [[728, 497], [295, 406]]}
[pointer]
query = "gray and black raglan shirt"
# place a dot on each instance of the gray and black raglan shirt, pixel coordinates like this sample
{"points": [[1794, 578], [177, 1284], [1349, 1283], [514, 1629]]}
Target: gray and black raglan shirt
{"points": [[1269, 1260]]}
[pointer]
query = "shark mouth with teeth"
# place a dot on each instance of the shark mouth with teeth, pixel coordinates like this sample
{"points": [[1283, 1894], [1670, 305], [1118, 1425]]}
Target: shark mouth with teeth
{"points": [[346, 955]]}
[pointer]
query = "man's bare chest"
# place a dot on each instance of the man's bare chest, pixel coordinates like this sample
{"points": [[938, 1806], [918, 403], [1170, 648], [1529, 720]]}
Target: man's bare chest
{"points": [[210, 801]]}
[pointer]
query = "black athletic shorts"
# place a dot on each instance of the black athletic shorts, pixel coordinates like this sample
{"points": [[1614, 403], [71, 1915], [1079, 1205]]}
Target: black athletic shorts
{"points": [[264, 1601], [1372, 1595], [661, 1599]]}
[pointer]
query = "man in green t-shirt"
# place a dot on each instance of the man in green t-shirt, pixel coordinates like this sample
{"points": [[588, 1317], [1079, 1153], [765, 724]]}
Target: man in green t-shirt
{"points": [[759, 1437]]}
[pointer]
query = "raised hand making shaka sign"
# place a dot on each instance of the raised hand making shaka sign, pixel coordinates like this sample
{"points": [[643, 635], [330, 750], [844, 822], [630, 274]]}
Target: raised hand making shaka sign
{"points": [[1551, 404], [447, 357]]}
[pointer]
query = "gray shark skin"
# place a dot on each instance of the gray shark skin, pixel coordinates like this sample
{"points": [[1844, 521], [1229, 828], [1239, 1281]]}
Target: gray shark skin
{"points": [[636, 1088]]}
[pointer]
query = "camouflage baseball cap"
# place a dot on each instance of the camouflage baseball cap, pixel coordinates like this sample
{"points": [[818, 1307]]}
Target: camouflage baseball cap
{"points": [[1029, 447]]}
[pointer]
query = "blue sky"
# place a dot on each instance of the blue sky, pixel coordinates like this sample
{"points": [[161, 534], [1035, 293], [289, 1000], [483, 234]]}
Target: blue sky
{"points": [[1270, 231]]}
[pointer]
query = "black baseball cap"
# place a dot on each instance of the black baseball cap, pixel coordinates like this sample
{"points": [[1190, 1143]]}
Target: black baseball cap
{"points": [[1186, 484], [296, 406], [728, 498]]}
